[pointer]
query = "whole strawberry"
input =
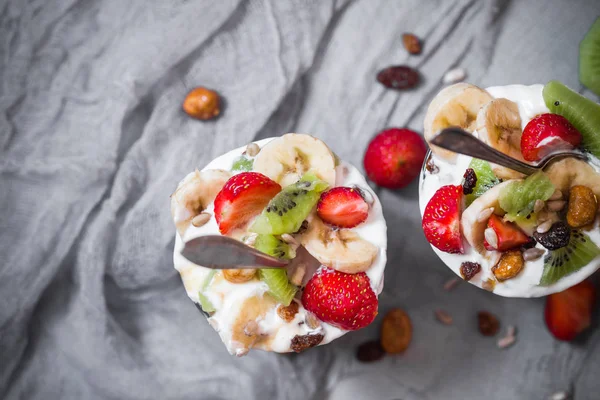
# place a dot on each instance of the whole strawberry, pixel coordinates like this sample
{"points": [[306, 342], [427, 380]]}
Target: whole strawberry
{"points": [[243, 197], [548, 133], [344, 300], [569, 312], [441, 219], [394, 157]]}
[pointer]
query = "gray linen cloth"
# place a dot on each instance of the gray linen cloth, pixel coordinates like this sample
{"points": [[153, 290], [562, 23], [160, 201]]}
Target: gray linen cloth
{"points": [[93, 142]]}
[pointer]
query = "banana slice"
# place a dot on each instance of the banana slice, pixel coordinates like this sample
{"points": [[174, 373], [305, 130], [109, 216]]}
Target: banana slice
{"points": [[340, 249], [456, 105], [194, 193], [570, 172], [473, 226], [499, 125], [287, 158]]}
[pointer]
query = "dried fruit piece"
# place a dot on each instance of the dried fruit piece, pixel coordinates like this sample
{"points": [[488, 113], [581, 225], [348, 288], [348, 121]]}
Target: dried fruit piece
{"points": [[202, 103], [411, 43], [583, 206], [287, 313], [509, 266], [430, 165], [469, 269], [488, 323], [470, 181], [398, 77], [396, 331], [370, 351], [556, 237], [239, 275], [300, 343]]}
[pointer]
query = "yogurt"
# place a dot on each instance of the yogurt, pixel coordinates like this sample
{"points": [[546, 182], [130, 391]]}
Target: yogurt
{"points": [[235, 302], [526, 284]]}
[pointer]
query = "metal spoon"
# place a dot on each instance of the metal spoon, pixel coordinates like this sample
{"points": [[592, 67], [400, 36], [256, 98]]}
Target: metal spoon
{"points": [[462, 142], [222, 252]]}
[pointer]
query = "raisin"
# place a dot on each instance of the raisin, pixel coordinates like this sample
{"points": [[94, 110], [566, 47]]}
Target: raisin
{"points": [[557, 237], [301, 343], [370, 351], [469, 269], [488, 323], [398, 77], [396, 331], [470, 181], [411, 43], [430, 166]]}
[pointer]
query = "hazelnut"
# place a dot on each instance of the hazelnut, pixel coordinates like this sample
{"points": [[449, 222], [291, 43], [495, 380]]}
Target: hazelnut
{"points": [[509, 266], [239, 275], [396, 331], [583, 206], [202, 103], [411, 43]]}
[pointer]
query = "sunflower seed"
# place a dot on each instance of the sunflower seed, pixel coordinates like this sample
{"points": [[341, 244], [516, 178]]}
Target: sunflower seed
{"points": [[557, 195], [200, 219], [491, 237], [485, 214], [454, 75], [544, 227], [506, 341], [538, 206], [556, 205], [450, 284], [533, 254], [443, 317]]}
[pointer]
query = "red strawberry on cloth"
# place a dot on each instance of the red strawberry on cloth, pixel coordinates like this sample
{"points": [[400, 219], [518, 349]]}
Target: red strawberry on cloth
{"points": [[394, 157], [569, 312]]}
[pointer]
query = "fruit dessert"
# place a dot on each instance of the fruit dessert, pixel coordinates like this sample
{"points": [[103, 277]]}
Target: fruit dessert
{"points": [[292, 198], [515, 235]]}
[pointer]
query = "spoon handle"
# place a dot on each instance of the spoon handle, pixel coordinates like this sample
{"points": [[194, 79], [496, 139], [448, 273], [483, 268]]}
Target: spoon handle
{"points": [[462, 142]]}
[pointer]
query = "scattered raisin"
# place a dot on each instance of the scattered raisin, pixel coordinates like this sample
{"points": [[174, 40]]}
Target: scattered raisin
{"points": [[301, 343], [509, 266], [557, 237], [370, 351], [411, 43], [287, 313], [430, 165], [470, 181], [488, 323], [202, 103], [469, 269], [398, 77], [396, 331], [583, 206]]}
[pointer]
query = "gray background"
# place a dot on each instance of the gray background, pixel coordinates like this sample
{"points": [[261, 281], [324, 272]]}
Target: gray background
{"points": [[93, 141]]}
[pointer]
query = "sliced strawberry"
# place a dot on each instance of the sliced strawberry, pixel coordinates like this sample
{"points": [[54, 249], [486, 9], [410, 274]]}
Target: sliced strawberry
{"points": [[243, 197], [548, 133], [509, 235], [344, 300], [569, 312], [441, 220], [343, 207]]}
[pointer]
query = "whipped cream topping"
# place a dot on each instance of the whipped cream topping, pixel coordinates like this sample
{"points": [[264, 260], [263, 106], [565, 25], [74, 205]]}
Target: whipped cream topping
{"points": [[240, 302], [526, 284]]}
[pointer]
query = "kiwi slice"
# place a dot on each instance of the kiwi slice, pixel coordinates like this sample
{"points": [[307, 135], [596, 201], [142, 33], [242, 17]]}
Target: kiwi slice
{"points": [[582, 112], [205, 303], [276, 278], [485, 179], [519, 197], [577, 254], [589, 58], [290, 207], [242, 164]]}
